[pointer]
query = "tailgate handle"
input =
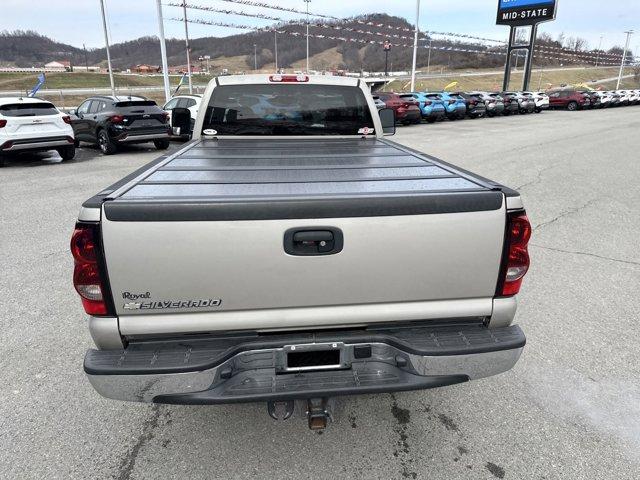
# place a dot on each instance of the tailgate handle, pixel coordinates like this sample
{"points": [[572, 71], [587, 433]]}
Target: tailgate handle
{"points": [[313, 241]]}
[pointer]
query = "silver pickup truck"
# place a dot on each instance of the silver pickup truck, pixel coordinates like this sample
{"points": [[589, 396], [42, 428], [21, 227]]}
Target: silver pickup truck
{"points": [[291, 253]]}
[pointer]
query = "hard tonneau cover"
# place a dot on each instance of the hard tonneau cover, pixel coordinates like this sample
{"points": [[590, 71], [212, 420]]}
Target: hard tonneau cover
{"points": [[249, 179]]}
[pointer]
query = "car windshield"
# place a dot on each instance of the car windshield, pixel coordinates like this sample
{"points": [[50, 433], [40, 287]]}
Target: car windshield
{"points": [[27, 109], [287, 109]]}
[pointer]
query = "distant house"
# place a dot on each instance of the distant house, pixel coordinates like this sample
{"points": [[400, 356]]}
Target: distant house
{"points": [[59, 66], [144, 68]]}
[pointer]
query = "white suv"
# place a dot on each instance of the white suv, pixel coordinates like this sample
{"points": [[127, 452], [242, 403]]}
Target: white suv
{"points": [[32, 124], [541, 100], [189, 101]]}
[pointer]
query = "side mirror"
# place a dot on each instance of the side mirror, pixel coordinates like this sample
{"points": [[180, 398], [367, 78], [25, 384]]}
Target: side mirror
{"points": [[388, 120], [73, 111], [181, 121]]}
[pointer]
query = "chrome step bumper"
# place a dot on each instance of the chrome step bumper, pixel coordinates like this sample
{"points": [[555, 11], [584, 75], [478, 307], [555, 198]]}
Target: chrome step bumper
{"points": [[242, 369]]}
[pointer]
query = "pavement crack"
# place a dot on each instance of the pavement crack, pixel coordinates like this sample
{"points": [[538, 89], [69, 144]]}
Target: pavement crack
{"points": [[537, 179], [566, 213], [602, 257], [128, 462]]}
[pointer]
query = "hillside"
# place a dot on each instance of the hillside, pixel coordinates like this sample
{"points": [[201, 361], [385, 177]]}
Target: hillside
{"points": [[236, 52]]}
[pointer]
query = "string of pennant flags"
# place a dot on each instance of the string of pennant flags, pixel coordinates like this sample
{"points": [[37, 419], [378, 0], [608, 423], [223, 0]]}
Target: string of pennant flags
{"points": [[227, 12], [497, 51], [251, 3], [587, 56]]}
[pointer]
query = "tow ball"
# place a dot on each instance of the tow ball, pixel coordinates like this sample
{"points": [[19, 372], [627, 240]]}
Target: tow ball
{"points": [[318, 411]]}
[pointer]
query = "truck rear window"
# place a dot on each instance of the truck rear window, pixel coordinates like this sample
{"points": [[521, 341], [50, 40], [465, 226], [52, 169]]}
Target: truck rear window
{"points": [[27, 109], [290, 109]]}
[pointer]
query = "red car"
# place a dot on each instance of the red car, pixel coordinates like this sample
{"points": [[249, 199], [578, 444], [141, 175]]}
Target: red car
{"points": [[407, 110], [569, 99]]}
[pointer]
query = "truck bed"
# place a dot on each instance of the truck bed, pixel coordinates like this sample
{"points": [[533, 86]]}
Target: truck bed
{"points": [[201, 233], [240, 179]]}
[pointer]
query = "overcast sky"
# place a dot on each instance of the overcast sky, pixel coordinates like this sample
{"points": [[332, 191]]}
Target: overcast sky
{"points": [[78, 21]]}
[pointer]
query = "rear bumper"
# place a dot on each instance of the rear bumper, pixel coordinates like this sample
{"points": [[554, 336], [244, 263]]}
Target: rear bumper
{"points": [[249, 369], [433, 113], [40, 143], [131, 137]]}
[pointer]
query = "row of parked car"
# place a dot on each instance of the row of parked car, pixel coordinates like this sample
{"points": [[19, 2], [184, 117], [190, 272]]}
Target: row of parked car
{"points": [[413, 107], [33, 124], [578, 99]]}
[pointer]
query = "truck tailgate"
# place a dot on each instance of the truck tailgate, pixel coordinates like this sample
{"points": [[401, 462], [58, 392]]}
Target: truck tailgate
{"points": [[197, 240]]}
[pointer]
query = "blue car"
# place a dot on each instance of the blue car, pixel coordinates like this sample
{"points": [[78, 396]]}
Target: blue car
{"points": [[431, 106], [455, 106]]}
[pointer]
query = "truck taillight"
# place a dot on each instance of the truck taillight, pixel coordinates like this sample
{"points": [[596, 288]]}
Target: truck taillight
{"points": [[87, 273], [516, 261]]}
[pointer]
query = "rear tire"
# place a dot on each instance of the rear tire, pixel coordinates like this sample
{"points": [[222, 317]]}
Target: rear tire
{"points": [[573, 106], [3, 160], [67, 153], [431, 120], [161, 144], [107, 146]]}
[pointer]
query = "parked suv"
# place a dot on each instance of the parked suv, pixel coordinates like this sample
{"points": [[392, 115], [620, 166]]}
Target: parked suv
{"points": [[569, 99], [493, 103], [406, 109], [475, 105], [455, 106], [596, 102], [511, 102], [188, 101], [430, 109], [110, 121], [541, 100], [31, 124]]}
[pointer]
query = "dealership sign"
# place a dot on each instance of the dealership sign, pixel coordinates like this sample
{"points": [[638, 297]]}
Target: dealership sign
{"points": [[525, 12]]}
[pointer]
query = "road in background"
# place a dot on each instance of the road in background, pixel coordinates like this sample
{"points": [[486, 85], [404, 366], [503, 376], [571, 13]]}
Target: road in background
{"points": [[570, 409]]}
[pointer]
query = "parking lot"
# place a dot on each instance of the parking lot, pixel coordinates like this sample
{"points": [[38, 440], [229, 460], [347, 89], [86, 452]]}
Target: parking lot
{"points": [[569, 409]]}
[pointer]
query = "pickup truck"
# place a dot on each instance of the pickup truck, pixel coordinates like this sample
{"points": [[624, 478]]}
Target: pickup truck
{"points": [[290, 253]]}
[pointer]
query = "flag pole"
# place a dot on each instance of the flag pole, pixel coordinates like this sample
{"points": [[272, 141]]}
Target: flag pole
{"points": [[163, 53], [415, 47], [106, 42], [186, 36]]}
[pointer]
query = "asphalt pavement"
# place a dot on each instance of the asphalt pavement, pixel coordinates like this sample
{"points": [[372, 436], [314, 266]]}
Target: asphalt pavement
{"points": [[570, 409]]}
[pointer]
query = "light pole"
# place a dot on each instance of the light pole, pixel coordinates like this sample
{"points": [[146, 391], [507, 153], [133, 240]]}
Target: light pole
{"points": [[106, 43], [86, 62], [598, 52], [307, 3], [255, 56], [275, 40], [186, 39], [386, 46], [415, 47], [163, 53], [624, 57], [429, 57]]}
